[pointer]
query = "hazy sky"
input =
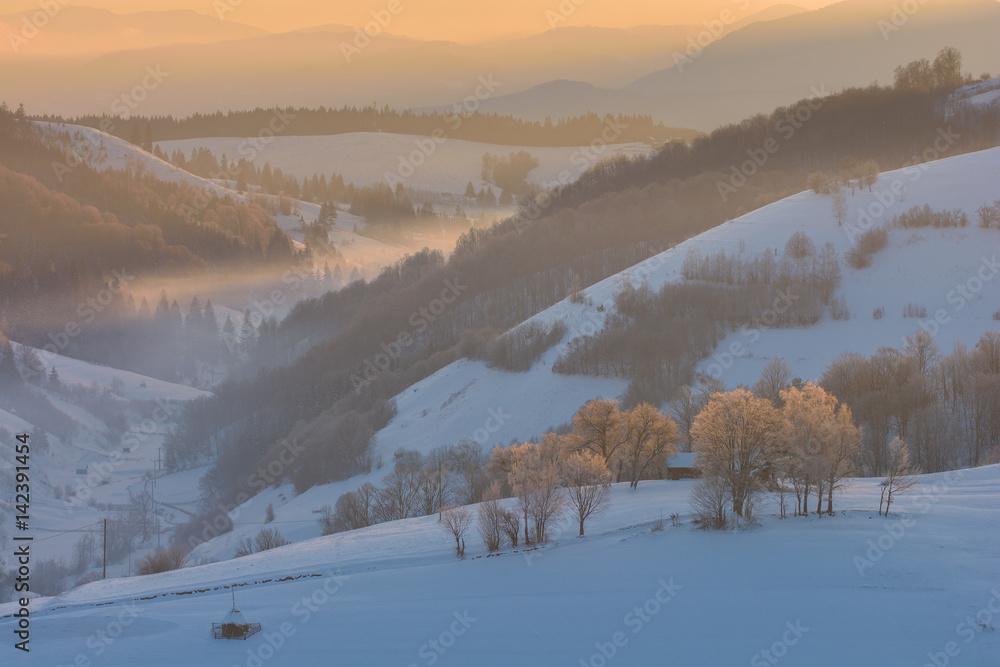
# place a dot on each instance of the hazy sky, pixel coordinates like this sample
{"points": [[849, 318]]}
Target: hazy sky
{"points": [[457, 20]]}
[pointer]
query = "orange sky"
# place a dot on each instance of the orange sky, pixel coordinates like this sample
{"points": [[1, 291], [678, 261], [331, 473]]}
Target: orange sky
{"points": [[458, 20]]}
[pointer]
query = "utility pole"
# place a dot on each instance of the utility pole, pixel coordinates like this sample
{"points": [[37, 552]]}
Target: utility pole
{"points": [[157, 516], [104, 574]]}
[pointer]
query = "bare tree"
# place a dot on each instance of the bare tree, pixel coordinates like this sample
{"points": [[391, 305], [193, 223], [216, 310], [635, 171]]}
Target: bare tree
{"points": [[868, 172], [141, 511], [710, 500], [775, 377], [266, 539], [545, 502], [397, 498], [900, 476], [355, 509], [599, 427], [457, 521], [587, 482], [491, 512], [511, 525]]}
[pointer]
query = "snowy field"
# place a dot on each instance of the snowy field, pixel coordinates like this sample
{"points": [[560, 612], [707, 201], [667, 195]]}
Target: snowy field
{"points": [[363, 158], [856, 589]]}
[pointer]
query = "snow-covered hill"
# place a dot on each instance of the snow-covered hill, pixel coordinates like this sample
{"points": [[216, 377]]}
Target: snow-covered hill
{"points": [[919, 583], [88, 465], [364, 158], [103, 150], [923, 266], [980, 93], [467, 399]]}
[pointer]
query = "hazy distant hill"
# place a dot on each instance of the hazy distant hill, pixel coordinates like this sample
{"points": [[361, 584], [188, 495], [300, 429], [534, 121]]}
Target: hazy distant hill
{"points": [[324, 65], [83, 32], [776, 62]]}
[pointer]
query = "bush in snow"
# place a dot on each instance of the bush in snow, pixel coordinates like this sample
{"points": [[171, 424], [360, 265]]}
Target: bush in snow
{"points": [[710, 501], [162, 560], [266, 539]]}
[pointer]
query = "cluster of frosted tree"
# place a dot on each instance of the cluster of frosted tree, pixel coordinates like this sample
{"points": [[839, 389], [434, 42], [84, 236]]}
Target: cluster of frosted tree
{"points": [[523, 489], [655, 339], [946, 408], [748, 445]]}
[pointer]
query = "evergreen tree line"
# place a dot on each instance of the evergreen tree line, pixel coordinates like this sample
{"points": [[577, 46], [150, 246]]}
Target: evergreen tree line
{"points": [[268, 180], [488, 128]]}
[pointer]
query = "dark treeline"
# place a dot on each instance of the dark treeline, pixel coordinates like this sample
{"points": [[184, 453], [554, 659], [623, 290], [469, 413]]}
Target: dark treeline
{"points": [[620, 213], [243, 172], [487, 128], [893, 126]]}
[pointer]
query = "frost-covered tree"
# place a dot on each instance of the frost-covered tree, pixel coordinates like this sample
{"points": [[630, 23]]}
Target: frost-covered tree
{"points": [[651, 440], [599, 427], [820, 440], [587, 482], [736, 439]]}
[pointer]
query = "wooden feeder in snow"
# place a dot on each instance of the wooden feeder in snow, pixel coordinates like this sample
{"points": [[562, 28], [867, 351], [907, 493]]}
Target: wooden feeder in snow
{"points": [[234, 625]]}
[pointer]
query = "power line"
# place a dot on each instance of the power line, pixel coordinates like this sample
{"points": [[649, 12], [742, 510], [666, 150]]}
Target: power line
{"points": [[50, 537]]}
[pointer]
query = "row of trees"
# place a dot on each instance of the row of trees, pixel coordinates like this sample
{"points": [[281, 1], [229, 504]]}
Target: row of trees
{"points": [[807, 444], [946, 408], [488, 128], [272, 181], [945, 72], [567, 472]]}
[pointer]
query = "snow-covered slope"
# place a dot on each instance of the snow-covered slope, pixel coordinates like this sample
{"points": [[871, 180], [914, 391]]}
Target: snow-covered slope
{"points": [[133, 385], [855, 589], [980, 93], [922, 266], [467, 399], [104, 150], [88, 464], [364, 158]]}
